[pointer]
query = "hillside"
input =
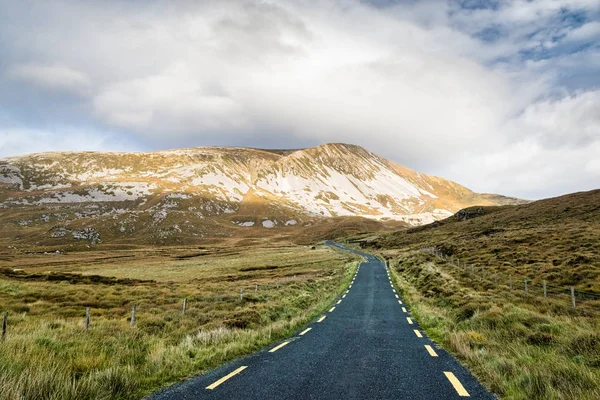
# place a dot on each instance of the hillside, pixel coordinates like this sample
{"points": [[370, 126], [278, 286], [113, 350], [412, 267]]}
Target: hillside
{"points": [[554, 239], [182, 196], [475, 282]]}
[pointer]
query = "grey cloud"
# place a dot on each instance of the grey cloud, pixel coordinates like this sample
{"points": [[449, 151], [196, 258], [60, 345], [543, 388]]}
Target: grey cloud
{"points": [[410, 81], [52, 77]]}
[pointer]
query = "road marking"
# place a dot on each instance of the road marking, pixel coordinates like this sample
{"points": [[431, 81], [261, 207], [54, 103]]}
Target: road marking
{"points": [[460, 389], [344, 296], [396, 296], [304, 332], [399, 301], [394, 290], [339, 301], [331, 309], [350, 286], [403, 309], [223, 379], [409, 320], [321, 319], [418, 333], [274, 349], [432, 352]]}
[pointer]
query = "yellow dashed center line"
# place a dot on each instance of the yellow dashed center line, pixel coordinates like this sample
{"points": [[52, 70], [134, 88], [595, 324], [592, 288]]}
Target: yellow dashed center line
{"points": [[321, 319], [460, 389], [331, 309], [403, 309], [223, 379], [304, 332], [432, 352], [418, 333], [409, 320], [274, 349]]}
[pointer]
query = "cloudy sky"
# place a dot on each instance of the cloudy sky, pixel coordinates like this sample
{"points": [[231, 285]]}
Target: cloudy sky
{"points": [[500, 95]]}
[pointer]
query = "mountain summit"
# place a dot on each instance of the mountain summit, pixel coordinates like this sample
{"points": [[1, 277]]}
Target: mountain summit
{"points": [[211, 190]]}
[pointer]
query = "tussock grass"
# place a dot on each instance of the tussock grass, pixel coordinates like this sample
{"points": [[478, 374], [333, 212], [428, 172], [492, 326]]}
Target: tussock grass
{"points": [[48, 355], [519, 347]]}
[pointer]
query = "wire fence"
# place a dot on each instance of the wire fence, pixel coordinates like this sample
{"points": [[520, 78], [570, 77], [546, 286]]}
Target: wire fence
{"points": [[246, 292], [526, 285]]}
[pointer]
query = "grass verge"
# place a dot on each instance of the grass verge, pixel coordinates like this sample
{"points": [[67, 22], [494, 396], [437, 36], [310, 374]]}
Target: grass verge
{"points": [[520, 347], [48, 355]]}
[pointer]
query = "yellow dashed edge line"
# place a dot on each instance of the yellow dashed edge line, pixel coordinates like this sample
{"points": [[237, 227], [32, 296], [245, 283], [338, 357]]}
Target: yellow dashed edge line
{"points": [[460, 389], [223, 379], [331, 309], [399, 301], [321, 319], [418, 333], [274, 349], [304, 332], [339, 301], [409, 320], [430, 350], [403, 309], [396, 296]]}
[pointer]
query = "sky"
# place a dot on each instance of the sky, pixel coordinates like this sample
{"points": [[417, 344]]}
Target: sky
{"points": [[502, 96]]}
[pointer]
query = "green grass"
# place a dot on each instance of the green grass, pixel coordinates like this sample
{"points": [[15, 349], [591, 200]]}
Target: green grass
{"points": [[48, 355], [519, 346]]}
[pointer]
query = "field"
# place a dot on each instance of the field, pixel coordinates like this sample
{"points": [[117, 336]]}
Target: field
{"points": [[464, 280], [47, 354]]}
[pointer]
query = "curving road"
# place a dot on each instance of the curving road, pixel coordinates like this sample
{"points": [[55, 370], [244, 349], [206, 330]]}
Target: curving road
{"points": [[366, 346]]}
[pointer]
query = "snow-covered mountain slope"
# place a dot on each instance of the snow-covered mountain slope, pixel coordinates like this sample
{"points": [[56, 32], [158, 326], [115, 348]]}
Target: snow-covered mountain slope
{"points": [[167, 191]]}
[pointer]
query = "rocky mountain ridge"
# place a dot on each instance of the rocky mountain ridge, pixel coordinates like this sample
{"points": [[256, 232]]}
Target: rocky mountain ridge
{"points": [[210, 191]]}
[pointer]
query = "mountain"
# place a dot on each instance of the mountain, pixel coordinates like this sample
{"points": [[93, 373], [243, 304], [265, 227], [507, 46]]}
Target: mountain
{"points": [[178, 195]]}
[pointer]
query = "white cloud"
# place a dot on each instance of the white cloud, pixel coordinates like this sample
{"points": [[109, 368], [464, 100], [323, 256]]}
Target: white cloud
{"points": [[585, 32], [51, 77], [411, 82], [554, 150]]}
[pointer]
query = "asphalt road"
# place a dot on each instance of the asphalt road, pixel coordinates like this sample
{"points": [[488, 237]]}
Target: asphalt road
{"points": [[365, 347]]}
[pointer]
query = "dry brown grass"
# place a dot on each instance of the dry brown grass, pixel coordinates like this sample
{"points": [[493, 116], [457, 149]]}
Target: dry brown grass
{"points": [[48, 355], [520, 346]]}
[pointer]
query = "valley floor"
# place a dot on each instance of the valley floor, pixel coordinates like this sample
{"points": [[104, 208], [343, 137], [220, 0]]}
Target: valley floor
{"points": [[238, 300]]}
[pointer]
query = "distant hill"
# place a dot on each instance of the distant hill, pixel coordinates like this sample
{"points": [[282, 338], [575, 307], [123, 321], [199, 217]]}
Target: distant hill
{"points": [[553, 239], [179, 196]]}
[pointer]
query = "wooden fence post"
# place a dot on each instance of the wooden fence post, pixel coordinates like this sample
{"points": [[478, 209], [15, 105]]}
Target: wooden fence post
{"points": [[545, 293], [87, 318], [4, 323], [241, 293], [526, 290], [132, 316], [184, 305], [573, 296], [510, 282], [256, 288]]}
